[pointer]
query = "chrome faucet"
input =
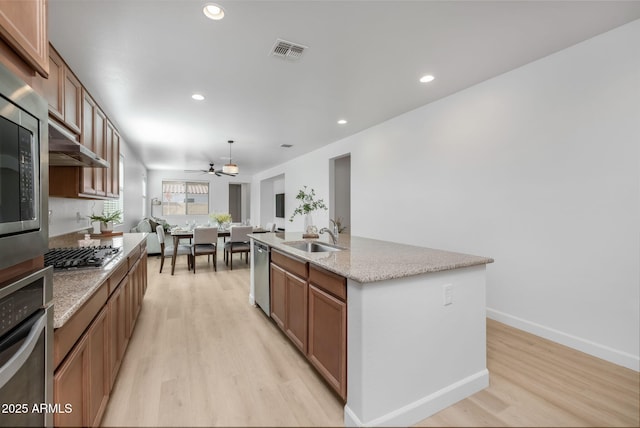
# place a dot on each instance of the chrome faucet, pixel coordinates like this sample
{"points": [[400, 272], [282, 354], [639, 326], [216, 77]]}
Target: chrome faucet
{"points": [[333, 237]]}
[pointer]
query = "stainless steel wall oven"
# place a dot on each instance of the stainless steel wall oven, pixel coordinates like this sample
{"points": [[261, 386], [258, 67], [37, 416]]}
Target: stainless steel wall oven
{"points": [[26, 350], [24, 167]]}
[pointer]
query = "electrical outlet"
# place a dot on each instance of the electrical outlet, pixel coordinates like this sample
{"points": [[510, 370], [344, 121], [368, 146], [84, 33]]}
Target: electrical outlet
{"points": [[447, 294], [78, 217]]}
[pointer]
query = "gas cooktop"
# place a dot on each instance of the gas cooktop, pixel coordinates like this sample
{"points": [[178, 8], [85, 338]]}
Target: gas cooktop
{"points": [[77, 258]]}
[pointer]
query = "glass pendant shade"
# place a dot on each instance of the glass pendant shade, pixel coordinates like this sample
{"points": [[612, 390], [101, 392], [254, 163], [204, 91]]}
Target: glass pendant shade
{"points": [[230, 168]]}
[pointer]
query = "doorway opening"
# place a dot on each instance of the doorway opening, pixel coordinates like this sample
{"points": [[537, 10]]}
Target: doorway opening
{"points": [[340, 191], [239, 202]]}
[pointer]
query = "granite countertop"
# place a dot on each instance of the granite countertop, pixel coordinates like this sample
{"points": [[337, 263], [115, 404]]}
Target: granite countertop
{"points": [[369, 260], [72, 288]]}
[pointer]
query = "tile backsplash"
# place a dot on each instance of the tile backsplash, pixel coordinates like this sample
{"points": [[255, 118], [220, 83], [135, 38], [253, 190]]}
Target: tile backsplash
{"points": [[68, 215]]}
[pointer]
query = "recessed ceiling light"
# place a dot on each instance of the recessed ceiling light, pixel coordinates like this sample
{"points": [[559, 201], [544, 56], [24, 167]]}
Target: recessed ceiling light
{"points": [[213, 11], [342, 122], [426, 78], [197, 97]]}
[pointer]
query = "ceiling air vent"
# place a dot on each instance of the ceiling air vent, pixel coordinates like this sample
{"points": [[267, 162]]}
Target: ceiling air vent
{"points": [[287, 50]]}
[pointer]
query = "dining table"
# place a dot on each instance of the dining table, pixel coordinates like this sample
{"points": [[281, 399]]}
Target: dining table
{"points": [[179, 233]]}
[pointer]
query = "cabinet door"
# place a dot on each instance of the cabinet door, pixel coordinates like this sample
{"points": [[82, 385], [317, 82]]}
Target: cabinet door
{"points": [[23, 24], [328, 338], [99, 129], [87, 181], [144, 265], [115, 167], [117, 335], [72, 101], [53, 87], [70, 386], [132, 296], [99, 381], [277, 302], [296, 311], [109, 157]]}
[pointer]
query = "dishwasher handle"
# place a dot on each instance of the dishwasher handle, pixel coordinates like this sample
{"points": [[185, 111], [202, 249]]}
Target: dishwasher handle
{"points": [[261, 248]]}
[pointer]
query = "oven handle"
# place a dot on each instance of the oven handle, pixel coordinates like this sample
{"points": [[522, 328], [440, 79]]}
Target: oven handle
{"points": [[20, 357]]}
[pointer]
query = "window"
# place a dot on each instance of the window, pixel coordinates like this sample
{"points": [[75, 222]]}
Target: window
{"points": [[112, 205], [185, 197]]}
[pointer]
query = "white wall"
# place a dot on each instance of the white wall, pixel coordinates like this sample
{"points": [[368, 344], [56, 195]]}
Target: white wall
{"points": [[218, 192], [134, 172], [538, 168]]}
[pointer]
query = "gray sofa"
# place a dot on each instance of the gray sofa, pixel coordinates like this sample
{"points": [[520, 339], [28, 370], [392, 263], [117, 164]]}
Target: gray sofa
{"points": [[149, 225]]}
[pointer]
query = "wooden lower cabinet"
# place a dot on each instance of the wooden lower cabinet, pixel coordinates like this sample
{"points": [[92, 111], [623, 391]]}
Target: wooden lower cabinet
{"points": [[328, 338], [277, 299], [118, 338], [83, 378], [99, 384], [87, 373], [70, 386], [296, 311], [312, 311], [289, 297]]}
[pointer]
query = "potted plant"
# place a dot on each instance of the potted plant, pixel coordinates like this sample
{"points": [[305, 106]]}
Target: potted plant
{"points": [[308, 204], [106, 220], [223, 219]]}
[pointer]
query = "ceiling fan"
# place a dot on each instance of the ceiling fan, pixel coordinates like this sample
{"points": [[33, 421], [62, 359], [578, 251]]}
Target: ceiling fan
{"points": [[230, 169], [211, 171]]}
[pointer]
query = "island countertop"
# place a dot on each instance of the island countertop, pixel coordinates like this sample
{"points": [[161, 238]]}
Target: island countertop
{"points": [[72, 288], [369, 260]]}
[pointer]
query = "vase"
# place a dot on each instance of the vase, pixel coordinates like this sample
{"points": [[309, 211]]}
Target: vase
{"points": [[308, 224], [106, 227]]}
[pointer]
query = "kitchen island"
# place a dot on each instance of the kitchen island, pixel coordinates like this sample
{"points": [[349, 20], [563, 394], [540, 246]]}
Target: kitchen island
{"points": [[415, 333]]}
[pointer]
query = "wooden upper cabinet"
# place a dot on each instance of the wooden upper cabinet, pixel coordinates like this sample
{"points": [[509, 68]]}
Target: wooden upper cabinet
{"points": [[72, 101], [23, 25], [112, 155], [63, 92], [53, 87], [87, 175], [99, 130]]}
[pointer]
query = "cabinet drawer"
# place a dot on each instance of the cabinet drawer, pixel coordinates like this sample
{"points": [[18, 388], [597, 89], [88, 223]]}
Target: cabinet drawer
{"points": [[133, 257], [328, 281], [290, 264], [67, 335], [117, 275]]}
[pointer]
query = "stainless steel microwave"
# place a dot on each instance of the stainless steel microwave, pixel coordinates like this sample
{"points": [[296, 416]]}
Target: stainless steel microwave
{"points": [[23, 171]]}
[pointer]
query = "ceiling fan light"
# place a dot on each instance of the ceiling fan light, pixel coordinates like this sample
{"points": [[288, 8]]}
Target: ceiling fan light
{"points": [[230, 168]]}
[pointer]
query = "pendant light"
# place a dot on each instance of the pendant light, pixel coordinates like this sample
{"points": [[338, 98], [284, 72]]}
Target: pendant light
{"points": [[230, 168]]}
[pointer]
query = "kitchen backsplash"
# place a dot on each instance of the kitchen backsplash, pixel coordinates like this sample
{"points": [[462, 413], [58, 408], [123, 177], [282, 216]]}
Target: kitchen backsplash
{"points": [[70, 215]]}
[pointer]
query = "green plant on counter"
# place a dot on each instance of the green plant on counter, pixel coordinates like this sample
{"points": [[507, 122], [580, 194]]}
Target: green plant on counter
{"points": [[106, 218], [308, 203], [338, 223]]}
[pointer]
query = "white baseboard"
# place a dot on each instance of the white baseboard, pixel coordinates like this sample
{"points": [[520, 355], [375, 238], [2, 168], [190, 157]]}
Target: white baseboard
{"points": [[597, 350], [426, 406]]}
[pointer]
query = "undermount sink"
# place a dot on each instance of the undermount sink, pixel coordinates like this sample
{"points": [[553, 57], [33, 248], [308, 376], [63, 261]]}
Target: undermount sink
{"points": [[313, 247]]}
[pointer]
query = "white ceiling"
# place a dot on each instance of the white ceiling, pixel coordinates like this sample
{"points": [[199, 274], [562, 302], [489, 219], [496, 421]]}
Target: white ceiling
{"points": [[142, 60]]}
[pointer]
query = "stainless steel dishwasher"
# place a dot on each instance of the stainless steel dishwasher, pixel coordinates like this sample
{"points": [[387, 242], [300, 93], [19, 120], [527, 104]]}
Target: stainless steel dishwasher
{"points": [[261, 259]]}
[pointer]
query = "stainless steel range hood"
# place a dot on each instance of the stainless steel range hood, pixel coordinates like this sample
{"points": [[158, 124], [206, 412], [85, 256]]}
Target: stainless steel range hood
{"points": [[65, 151]]}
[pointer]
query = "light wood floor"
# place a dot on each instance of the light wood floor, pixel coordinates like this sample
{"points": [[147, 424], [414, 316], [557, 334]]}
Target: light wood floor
{"points": [[202, 356]]}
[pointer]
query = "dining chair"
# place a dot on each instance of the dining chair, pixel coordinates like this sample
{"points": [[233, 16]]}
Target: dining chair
{"points": [[167, 250], [205, 241], [238, 243]]}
